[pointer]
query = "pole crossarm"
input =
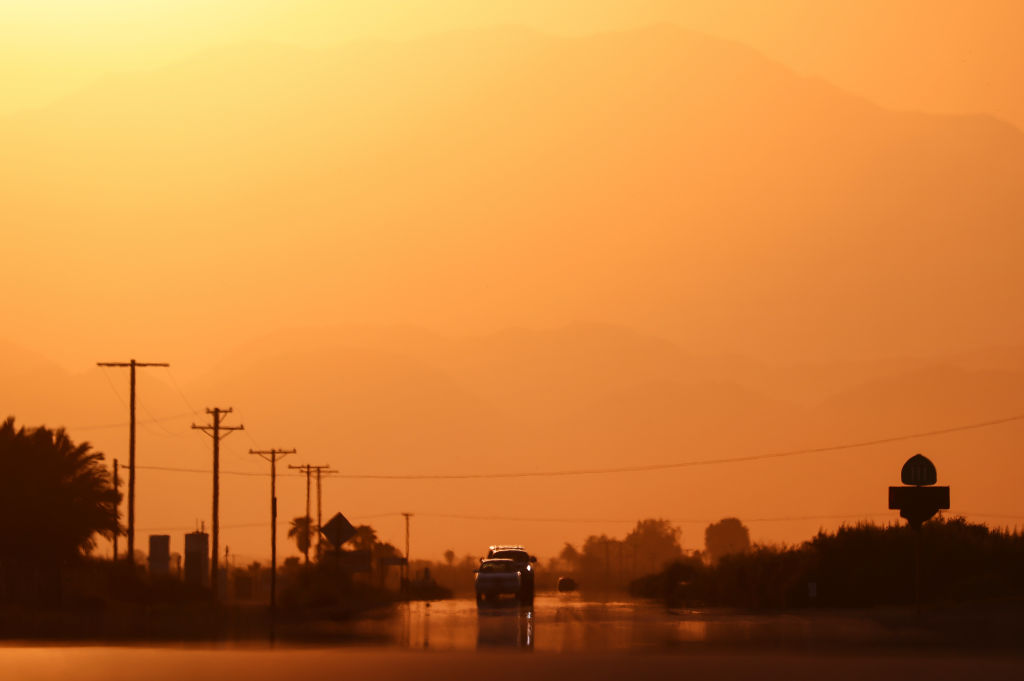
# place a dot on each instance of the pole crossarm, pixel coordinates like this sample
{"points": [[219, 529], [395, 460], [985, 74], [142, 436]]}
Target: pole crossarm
{"points": [[309, 466], [272, 455], [132, 363], [218, 424]]}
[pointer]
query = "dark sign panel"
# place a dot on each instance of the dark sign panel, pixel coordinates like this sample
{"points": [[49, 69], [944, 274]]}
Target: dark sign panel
{"points": [[925, 497], [918, 501], [918, 470], [338, 530]]}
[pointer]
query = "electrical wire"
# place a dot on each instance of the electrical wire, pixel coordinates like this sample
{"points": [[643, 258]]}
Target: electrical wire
{"points": [[113, 388], [154, 421], [209, 471], [581, 521], [181, 393], [238, 526], [692, 463], [653, 467], [677, 521], [125, 424]]}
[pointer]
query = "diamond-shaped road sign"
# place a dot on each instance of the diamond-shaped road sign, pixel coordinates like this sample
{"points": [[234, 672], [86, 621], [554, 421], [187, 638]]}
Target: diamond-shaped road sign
{"points": [[338, 530]]}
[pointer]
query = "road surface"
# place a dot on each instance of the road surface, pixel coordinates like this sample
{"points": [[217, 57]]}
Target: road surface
{"points": [[562, 637]]}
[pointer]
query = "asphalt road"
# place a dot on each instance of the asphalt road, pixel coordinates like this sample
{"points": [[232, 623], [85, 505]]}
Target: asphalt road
{"points": [[385, 664], [565, 623], [562, 637]]}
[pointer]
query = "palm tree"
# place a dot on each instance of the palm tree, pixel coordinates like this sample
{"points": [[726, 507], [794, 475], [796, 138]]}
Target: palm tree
{"points": [[55, 497], [570, 556], [365, 538], [301, 531]]}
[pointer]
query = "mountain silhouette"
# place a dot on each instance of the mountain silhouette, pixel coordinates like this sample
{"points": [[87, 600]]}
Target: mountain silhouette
{"points": [[655, 178]]}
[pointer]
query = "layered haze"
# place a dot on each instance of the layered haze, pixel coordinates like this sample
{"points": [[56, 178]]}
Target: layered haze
{"points": [[503, 250], [654, 178], [942, 55]]}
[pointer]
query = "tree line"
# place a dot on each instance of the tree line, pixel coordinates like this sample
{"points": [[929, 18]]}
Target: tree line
{"points": [[55, 498], [860, 565]]}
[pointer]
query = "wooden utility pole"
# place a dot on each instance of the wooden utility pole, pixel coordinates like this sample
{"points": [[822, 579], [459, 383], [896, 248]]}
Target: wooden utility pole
{"points": [[407, 516], [272, 455], [319, 507], [131, 364], [308, 470], [117, 509], [217, 431]]}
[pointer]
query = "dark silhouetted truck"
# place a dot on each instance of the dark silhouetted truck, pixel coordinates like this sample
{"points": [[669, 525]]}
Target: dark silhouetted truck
{"points": [[497, 578]]}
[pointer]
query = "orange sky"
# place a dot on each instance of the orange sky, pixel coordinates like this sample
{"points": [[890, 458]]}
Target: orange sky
{"points": [[376, 227], [941, 55]]}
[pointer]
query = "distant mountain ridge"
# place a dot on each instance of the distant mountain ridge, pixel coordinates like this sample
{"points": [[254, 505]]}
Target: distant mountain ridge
{"points": [[656, 178]]}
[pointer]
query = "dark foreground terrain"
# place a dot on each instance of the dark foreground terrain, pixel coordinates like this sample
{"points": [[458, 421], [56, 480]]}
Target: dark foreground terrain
{"points": [[128, 664]]}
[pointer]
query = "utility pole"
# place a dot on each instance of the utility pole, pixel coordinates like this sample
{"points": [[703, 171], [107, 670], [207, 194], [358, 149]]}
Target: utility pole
{"points": [[308, 470], [117, 510], [132, 364], [272, 455], [407, 516], [217, 431], [319, 506]]}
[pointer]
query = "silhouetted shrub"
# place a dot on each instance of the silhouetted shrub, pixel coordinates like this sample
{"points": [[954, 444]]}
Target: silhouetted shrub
{"points": [[857, 566]]}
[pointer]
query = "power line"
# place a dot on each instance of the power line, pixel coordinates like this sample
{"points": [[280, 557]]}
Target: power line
{"points": [[122, 424], [678, 521], [177, 388], [113, 388], [688, 464], [583, 521], [685, 521], [641, 468], [153, 420], [238, 526], [248, 434], [252, 474], [1001, 516]]}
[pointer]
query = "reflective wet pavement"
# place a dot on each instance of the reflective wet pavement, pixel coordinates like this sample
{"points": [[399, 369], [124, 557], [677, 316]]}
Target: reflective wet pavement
{"points": [[568, 638], [568, 623]]}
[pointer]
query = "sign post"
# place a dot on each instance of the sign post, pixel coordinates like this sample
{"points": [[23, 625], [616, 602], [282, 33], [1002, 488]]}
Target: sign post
{"points": [[917, 501]]}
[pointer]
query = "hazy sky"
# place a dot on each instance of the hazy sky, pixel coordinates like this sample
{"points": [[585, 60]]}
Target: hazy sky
{"points": [[941, 55], [374, 226]]}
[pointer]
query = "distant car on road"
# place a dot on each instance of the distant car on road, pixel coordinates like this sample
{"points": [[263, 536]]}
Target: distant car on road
{"points": [[523, 561], [498, 577], [566, 584]]}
